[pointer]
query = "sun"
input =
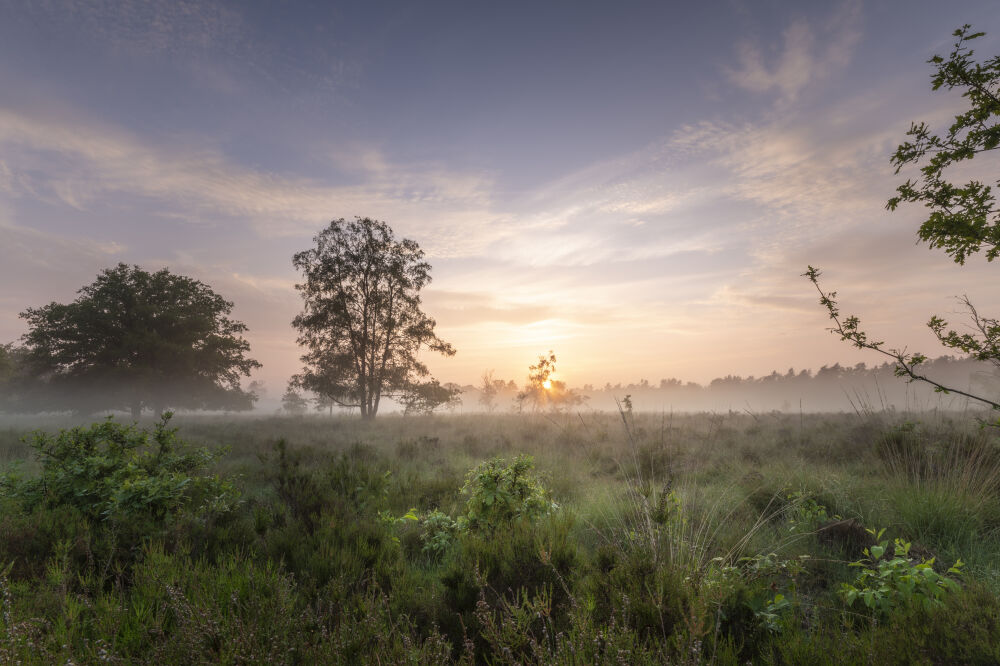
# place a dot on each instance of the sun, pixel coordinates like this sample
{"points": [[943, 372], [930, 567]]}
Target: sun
{"points": [[547, 384]]}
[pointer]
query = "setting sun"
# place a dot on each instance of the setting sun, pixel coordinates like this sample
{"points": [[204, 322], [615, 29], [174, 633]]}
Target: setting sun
{"points": [[547, 384]]}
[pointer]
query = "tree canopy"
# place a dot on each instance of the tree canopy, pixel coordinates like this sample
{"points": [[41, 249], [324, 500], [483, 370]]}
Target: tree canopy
{"points": [[489, 389], [361, 323], [428, 396], [137, 340], [292, 402], [6, 363]]}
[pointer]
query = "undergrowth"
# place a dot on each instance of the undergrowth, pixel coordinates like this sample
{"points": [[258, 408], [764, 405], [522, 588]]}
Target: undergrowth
{"points": [[503, 540]]}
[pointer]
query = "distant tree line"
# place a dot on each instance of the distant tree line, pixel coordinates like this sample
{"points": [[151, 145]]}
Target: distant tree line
{"points": [[831, 388]]}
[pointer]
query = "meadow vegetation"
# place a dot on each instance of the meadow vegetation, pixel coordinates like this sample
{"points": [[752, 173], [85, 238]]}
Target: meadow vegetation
{"points": [[578, 538]]}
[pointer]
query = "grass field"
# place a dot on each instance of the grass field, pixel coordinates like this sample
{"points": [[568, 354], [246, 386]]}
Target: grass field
{"points": [[645, 538]]}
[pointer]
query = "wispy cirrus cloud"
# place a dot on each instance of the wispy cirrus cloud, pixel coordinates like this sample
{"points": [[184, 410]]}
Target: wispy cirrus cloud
{"points": [[38, 266], [83, 164], [30, 247], [807, 53]]}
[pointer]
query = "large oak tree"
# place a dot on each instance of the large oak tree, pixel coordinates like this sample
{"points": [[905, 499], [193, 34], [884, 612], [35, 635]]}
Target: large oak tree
{"points": [[361, 323], [136, 340]]}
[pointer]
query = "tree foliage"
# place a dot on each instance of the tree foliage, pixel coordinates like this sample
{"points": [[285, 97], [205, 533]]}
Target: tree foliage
{"points": [[543, 390], [6, 375], [907, 364], [361, 323], [135, 339], [425, 397], [489, 388], [6, 361], [963, 219], [8, 370], [292, 402]]}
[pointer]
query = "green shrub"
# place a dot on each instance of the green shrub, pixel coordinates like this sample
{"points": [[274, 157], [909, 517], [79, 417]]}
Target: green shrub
{"points": [[884, 584], [27, 539], [104, 489], [963, 463], [121, 474], [962, 632], [500, 492], [525, 559], [438, 533]]}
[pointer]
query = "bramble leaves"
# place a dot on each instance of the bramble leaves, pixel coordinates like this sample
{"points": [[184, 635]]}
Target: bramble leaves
{"points": [[884, 584]]}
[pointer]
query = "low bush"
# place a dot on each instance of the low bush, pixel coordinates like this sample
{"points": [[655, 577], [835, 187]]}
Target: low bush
{"points": [[887, 583], [500, 492], [121, 484]]}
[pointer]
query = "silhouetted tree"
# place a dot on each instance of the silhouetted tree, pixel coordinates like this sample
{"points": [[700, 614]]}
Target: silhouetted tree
{"points": [[6, 362], [8, 368], [361, 324], [489, 389], [428, 396], [293, 403], [137, 340], [321, 403], [258, 389], [544, 391]]}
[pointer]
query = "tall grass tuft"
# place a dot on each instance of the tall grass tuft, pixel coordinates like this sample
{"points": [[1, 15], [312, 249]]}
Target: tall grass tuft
{"points": [[963, 464]]}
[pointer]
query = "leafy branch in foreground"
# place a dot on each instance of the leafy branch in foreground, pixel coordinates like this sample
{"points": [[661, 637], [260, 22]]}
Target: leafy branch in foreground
{"points": [[964, 218], [985, 349]]}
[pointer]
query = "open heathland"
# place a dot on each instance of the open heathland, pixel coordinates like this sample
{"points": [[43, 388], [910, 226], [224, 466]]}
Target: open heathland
{"points": [[578, 538]]}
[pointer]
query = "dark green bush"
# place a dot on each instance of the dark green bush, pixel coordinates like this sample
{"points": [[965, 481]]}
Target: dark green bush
{"points": [[500, 492], [114, 485], [121, 474]]}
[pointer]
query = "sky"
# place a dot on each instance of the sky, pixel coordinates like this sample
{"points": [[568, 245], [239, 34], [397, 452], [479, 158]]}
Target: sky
{"points": [[637, 186]]}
